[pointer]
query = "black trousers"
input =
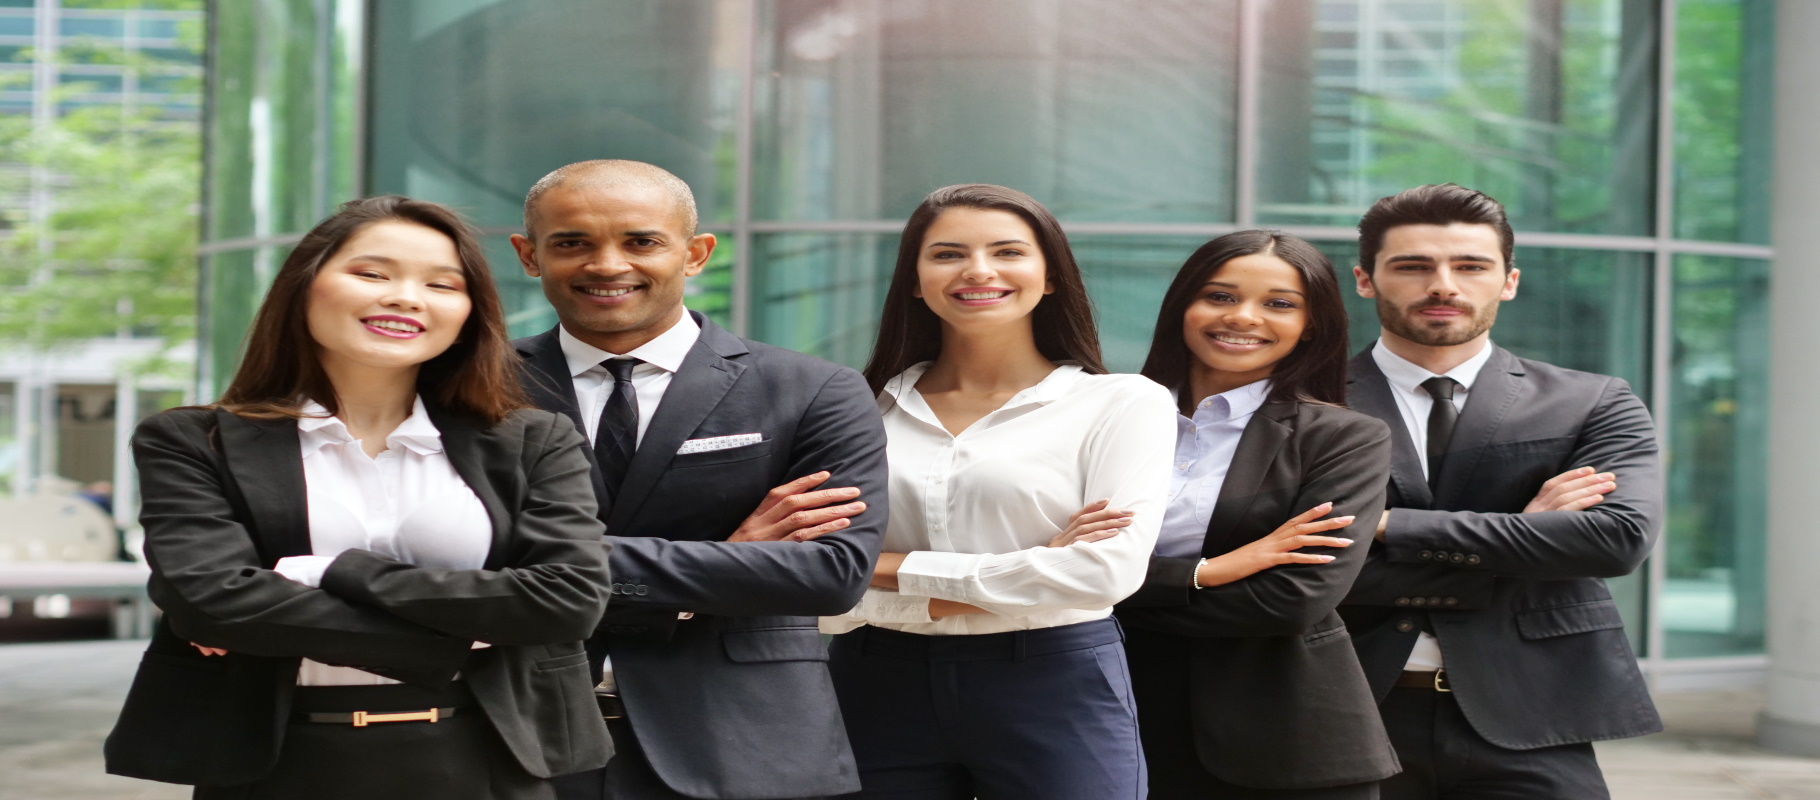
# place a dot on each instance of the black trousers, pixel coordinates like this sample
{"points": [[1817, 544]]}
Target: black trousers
{"points": [[1176, 772], [457, 758], [1445, 759], [628, 776]]}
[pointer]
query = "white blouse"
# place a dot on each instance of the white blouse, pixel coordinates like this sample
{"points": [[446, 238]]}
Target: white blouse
{"points": [[975, 511], [407, 504]]}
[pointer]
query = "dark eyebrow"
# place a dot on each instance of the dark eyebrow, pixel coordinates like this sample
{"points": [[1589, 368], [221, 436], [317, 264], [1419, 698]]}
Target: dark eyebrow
{"points": [[1430, 259], [642, 235], [1235, 286], [375, 257], [568, 235], [1000, 243], [446, 268]]}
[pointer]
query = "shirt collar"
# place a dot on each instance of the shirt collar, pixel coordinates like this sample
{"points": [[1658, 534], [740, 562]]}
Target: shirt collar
{"points": [[1239, 403], [665, 352], [317, 429], [1406, 375], [1047, 390]]}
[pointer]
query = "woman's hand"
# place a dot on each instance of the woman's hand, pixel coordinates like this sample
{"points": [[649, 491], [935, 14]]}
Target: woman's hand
{"points": [[209, 651], [1276, 549], [1093, 523]]}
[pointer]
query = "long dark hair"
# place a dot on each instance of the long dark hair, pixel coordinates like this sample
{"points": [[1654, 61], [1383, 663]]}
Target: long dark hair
{"points": [[910, 333], [475, 376], [1314, 372]]}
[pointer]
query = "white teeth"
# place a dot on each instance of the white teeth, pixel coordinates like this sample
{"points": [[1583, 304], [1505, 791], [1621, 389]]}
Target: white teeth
{"points": [[394, 325], [1231, 339], [607, 292], [993, 295]]}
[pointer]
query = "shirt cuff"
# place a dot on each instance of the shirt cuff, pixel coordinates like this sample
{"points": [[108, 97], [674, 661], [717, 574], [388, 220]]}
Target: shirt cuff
{"points": [[931, 573], [306, 570]]}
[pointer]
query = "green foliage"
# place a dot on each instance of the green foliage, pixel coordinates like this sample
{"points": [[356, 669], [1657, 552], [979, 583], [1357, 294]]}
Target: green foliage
{"points": [[118, 250]]}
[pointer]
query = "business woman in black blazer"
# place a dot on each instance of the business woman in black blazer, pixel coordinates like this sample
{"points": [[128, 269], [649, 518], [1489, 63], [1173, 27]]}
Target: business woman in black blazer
{"points": [[443, 659], [1245, 679]]}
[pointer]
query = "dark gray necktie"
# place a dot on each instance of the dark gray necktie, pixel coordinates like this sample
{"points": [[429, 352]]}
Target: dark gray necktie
{"points": [[616, 438], [1441, 418]]}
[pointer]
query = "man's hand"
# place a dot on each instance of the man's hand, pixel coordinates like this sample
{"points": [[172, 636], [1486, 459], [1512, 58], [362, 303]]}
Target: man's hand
{"points": [[793, 513], [1573, 490]]}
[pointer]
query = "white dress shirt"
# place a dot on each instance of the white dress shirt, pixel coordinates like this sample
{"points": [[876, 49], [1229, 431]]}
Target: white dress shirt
{"points": [[407, 504], [1204, 447], [1414, 403], [975, 511], [662, 357]]}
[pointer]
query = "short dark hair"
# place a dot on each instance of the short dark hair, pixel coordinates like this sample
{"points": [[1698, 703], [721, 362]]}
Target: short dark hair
{"points": [[1432, 204], [476, 376], [1314, 372], [909, 332]]}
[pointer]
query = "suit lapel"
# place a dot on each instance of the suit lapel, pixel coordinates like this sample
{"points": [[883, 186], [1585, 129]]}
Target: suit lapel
{"points": [[1259, 446], [710, 369], [464, 442], [1493, 393], [1368, 392], [266, 461], [546, 379]]}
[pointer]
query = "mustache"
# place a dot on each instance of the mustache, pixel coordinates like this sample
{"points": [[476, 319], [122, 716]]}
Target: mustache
{"points": [[1440, 303]]}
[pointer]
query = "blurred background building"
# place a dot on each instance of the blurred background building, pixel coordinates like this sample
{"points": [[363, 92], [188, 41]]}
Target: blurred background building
{"points": [[1631, 140]]}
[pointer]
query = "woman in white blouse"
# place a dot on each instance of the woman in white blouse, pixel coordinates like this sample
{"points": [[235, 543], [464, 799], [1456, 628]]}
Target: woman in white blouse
{"points": [[376, 565], [984, 661], [1247, 684]]}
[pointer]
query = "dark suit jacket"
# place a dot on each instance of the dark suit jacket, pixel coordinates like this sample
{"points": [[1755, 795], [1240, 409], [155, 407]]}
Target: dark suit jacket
{"points": [[736, 702], [1533, 645], [225, 500], [1277, 697]]}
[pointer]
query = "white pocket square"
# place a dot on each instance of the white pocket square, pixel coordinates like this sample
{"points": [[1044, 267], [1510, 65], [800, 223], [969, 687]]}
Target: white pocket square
{"points": [[713, 443]]}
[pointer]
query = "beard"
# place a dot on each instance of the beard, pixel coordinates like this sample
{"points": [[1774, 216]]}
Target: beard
{"points": [[1398, 321]]}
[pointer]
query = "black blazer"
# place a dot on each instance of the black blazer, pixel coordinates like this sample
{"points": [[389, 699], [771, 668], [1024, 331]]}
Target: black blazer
{"points": [[736, 702], [224, 499], [1533, 645], [1276, 695]]}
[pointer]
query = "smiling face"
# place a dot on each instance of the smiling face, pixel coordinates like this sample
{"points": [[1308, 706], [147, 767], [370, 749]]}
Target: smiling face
{"points": [[1247, 317], [1439, 285], [981, 268], [392, 297], [613, 259]]}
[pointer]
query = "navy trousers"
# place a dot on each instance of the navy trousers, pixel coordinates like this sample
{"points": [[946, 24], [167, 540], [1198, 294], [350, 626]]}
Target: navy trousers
{"points": [[1006, 716]]}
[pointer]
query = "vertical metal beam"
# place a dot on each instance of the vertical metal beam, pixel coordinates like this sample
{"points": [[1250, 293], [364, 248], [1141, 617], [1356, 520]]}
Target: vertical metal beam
{"points": [[742, 179], [1245, 137], [1661, 378], [126, 417]]}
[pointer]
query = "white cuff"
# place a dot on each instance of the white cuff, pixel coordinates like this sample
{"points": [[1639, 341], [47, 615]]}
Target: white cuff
{"points": [[931, 573], [306, 570]]}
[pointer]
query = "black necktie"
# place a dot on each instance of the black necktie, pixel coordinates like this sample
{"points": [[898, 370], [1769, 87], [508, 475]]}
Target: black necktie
{"points": [[1441, 418], [616, 437]]}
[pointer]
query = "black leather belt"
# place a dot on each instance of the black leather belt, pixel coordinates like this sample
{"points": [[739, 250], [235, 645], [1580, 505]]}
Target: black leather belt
{"points": [[610, 707], [361, 719], [1436, 680]]}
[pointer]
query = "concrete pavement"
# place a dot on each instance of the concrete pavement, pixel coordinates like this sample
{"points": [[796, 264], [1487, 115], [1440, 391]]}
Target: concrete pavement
{"points": [[58, 700]]}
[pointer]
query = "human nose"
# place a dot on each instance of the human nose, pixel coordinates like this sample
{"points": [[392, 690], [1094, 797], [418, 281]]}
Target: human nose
{"points": [[1243, 315], [609, 261], [1441, 283], [404, 295], [979, 269]]}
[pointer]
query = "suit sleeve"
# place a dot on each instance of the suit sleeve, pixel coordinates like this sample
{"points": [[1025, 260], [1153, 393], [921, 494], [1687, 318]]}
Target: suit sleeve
{"points": [[839, 432], [554, 590], [208, 579], [1605, 541], [1347, 468]]}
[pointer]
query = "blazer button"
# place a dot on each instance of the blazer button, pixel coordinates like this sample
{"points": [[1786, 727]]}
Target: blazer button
{"points": [[1425, 555], [1434, 601], [615, 589], [1458, 557], [1450, 601], [1473, 560], [1418, 601], [1405, 626], [1402, 601], [643, 590]]}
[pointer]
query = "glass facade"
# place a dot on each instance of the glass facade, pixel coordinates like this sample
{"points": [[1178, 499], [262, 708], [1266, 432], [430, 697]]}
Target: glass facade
{"points": [[1628, 144]]}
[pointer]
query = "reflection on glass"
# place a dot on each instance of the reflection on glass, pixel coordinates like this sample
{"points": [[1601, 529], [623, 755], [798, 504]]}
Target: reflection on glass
{"points": [[528, 313], [1713, 602], [1582, 309], [9, 439], [1102, 111], [1546, 105], [1724, 62], [233, 285], [821, 293], [1126, 275], [529, 87]]}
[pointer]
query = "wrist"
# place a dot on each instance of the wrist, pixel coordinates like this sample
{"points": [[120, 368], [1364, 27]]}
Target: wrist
{"points": [[1195, 575]]}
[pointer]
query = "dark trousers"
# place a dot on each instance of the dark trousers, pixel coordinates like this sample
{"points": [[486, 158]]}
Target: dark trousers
{"points": [[1445, 759], [1176, 772], [628, 776], [1007, 716], [456, 758]]}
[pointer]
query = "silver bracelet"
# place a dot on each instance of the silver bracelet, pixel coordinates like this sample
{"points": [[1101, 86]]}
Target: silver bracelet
{"points": [[1195, 577]]}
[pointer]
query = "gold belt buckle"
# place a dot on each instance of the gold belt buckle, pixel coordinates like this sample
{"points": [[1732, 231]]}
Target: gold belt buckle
{"points": [[361, 718], [1441, 681]]}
